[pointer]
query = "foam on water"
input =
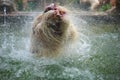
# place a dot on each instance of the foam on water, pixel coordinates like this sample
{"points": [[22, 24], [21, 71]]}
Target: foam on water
{"points": [[81, 62], [17, 48]]}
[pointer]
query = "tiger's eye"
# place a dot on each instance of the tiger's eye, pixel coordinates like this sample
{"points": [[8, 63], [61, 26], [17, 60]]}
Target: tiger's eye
{"points": [[62, 12]]}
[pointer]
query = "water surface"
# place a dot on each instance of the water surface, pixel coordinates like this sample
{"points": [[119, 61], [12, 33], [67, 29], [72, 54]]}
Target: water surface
{"points": [[95, 56]]}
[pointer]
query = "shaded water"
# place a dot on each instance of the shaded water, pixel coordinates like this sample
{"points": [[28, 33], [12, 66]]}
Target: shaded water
{"points": [[96, 56]]}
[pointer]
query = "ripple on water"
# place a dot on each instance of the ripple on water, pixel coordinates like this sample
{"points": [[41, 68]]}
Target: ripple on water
{"points": [[90, 58]]}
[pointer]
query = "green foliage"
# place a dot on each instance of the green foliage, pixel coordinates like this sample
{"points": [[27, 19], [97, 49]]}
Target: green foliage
{"points": [[31, 6], [19, 4], [105, 7]]}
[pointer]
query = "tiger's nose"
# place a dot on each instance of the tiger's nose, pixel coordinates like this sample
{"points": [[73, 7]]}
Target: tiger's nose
{"points": [[57, 13]]}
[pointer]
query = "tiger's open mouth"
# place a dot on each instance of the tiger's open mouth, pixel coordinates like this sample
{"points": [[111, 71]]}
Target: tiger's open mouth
{"points": [[55, 25], [55, 20]]}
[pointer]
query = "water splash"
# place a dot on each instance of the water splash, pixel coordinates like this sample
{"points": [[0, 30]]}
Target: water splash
{"points": [[87, 58], [4, 15]]}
